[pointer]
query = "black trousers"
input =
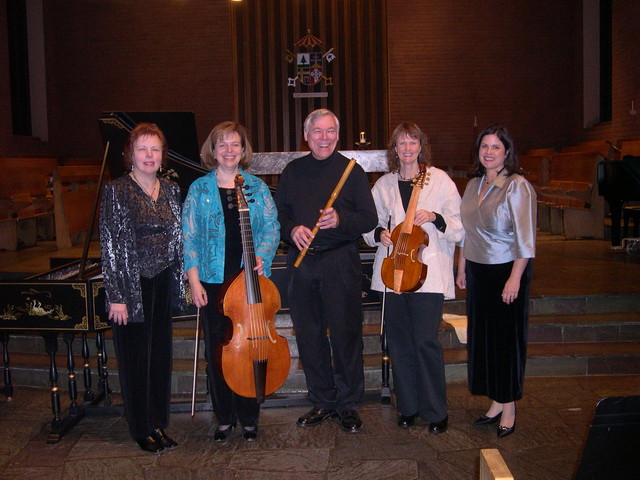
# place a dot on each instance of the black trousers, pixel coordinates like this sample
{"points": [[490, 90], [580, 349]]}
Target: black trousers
{"points": [[497, 332], [228, 406], [144, 352], [325, 292], [411, 323]]}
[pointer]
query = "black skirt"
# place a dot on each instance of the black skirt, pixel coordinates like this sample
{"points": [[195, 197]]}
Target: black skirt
{"points": [[497, 332]]}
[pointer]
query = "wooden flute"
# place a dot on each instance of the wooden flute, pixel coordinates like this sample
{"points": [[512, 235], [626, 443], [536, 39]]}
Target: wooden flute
{"points": [[332, 198]]}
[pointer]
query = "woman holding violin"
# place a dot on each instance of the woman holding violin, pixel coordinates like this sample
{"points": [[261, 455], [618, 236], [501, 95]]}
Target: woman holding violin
{"points": [[213, 254], [416, 192]]}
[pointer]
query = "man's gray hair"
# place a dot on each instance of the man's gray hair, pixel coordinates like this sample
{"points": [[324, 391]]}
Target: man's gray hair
{"points": [[316, 114]]}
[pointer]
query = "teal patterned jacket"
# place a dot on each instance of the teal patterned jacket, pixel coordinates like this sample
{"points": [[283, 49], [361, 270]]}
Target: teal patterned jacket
{"points": [[203, 226]]}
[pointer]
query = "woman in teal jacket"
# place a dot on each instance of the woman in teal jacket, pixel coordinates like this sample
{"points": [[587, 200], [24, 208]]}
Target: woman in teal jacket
{"points": [[213, 254]]}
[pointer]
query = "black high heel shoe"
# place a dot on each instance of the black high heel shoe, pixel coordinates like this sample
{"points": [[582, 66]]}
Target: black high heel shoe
{"points": [[406, 421], [150, 444], [439, 427], [222, 433], [504, 431], [249, 433], [164, 440], [484, 420]]}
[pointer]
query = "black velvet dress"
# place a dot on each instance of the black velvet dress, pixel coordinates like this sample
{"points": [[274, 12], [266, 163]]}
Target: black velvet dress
{"points": [[497, 332]]}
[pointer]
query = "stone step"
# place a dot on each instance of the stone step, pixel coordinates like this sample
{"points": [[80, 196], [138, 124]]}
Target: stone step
{"points": [[543, 359], [596, 336], [592, 327], [588, 327], [589, 358]]}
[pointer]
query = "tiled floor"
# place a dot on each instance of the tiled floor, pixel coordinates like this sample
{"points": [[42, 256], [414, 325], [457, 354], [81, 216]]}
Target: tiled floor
{"points": [[553, 419]]}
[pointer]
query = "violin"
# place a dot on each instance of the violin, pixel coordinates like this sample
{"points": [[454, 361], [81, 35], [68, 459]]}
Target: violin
{"points": [[255, 361], [403, 271]]}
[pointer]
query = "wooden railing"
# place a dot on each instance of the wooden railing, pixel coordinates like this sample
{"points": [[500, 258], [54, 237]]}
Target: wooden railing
{"points": [[570, 204], [74, 193], [26, 205]]}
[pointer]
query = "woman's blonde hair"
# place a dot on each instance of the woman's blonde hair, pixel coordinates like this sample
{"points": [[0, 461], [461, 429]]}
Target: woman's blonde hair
{"points": [[208, 150]]}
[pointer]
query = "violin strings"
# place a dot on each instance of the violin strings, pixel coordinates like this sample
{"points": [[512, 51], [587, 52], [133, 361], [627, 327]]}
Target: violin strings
{"points": [[402, 246], [250, 284], [403, 238], [258, 331]]}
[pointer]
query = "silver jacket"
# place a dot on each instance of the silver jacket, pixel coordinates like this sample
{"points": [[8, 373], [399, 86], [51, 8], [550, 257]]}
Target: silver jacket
{"points": [[124, 258]]}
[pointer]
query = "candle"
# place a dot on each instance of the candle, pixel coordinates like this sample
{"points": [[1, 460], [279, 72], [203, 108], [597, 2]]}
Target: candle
{"points": [[363, 139]]}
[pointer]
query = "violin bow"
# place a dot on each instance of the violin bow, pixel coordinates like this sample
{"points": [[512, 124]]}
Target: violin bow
{"points": [[385, 391], [195, 366]]}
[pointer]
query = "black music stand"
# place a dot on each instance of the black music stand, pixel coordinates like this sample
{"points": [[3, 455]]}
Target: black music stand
{"points": [[612, 450]]}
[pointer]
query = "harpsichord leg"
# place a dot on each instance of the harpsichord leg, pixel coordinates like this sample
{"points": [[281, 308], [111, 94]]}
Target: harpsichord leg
{"points": [[89, 396], [7, 391], [103, 375]]}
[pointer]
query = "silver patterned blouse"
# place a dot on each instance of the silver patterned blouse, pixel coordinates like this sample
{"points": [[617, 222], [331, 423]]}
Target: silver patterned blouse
{"points": [[501, 227], [140, 238]]}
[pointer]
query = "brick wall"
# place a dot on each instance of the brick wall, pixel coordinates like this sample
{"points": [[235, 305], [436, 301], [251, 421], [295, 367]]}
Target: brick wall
{"points": [[516, 62], [147, 55], [513, 62]]}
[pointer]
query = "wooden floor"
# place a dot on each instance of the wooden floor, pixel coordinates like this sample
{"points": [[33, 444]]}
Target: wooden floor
{"points": [[553, 417]]}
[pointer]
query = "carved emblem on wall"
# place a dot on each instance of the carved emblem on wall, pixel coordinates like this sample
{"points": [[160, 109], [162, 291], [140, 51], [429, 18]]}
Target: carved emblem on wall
{"points": [[309, 63]]}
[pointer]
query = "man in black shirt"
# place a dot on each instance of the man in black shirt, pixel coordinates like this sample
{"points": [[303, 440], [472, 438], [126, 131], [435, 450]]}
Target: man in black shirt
{"points": [[325, 291]]}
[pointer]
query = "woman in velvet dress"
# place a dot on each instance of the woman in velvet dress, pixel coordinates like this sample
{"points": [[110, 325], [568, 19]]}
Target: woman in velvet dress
{"points": [[213, 254], [499, 217], [141, 249], [412, 319]]}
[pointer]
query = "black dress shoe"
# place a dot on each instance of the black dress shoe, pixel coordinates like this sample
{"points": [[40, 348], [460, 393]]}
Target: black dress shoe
{"points": [[164, 440], [484, 420], [222, 433], [504, 431], [315, 416], [249, 433], [406, 421], [439, 427], [350, 421], [150, 444]]}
